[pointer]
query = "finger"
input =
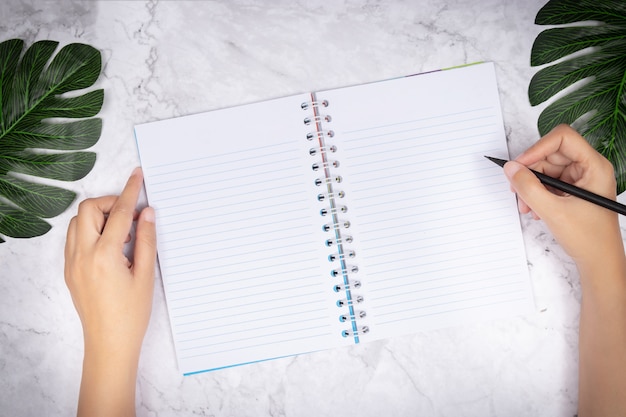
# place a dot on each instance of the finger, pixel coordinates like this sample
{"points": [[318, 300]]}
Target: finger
{"points": [[121, 215], [91, 218], [70, 237], [145, 247], [129, 237], [522, 206], [561, 146], [547, 167], [70, 245], [529, 188]]}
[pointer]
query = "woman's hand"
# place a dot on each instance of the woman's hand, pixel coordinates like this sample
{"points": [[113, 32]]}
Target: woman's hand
{"points": [[591, 236], [586, 231], [112, 294]]}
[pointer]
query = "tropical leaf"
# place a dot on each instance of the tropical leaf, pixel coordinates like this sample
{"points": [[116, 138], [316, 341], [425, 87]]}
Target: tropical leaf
{"points": [[21, 223], [36, 140], [591, 68]]}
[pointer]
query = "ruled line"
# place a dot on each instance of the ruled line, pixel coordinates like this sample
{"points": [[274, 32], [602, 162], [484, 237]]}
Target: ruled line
{"points": [[234, 307], [281, 145], [412, 121], [276, 323], [220, 319], [398, 319], [245, 347]]}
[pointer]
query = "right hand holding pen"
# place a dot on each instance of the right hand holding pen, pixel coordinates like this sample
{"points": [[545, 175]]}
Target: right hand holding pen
{"points": [[587, 232]]}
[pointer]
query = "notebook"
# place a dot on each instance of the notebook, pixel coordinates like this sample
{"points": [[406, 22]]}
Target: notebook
{"points": [[336, 217]]}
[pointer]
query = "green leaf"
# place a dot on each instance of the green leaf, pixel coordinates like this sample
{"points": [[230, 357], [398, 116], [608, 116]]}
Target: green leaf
{"points": [[64, 166], [42, 200], [67, 136], [18, 223], [592, 65], [38, 96]]}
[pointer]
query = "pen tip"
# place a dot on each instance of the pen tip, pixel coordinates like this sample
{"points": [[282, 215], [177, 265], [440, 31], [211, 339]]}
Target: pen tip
{"points": [[498, 161]]}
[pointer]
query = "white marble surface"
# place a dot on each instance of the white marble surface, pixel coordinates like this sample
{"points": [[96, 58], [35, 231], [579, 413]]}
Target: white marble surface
{"points": [[170, 58]]}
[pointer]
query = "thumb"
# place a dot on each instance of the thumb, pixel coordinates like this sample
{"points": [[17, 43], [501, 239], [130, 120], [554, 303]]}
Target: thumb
{"points": [[529, 188], [145, 246]]}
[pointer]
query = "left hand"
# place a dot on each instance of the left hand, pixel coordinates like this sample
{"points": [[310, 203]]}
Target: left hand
{"points": [[113, 296]]}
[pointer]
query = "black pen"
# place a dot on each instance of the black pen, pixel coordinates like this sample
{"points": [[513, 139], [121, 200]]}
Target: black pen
{"points": [[572, 190]]}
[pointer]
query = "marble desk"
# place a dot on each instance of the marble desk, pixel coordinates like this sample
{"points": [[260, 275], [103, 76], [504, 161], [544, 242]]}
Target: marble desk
{"points": [[169, 58]]}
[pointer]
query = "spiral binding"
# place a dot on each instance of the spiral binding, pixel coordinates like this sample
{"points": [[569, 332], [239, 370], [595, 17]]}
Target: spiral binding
{"points": [[360, 314], [334, 226], [317, 166], [322, 150], [339, 240], [323, 196], [317, 119], [320, 134], [328, 181], [350, 254], [313, 103]]}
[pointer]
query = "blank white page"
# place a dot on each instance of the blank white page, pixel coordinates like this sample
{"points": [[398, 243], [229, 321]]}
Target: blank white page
{"points": [[239, 239], [435, 226]]}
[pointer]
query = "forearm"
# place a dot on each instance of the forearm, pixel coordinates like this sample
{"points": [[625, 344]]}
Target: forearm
{"points": [[591, 236], [112, 295], [108, 382], [602, 336]]}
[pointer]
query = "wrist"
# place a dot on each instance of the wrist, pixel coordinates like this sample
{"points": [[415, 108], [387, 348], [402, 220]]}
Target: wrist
{"points": [[605, 273], [108, 381], [119, 355], [119, 344], [599, 249]]}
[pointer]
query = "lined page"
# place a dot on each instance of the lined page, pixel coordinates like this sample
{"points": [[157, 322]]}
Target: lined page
{"points": [[436, 229], [237, 241]]}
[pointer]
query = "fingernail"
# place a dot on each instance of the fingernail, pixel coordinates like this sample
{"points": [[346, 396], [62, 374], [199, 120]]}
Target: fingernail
{"points": [[136, 171], [148, 214]]}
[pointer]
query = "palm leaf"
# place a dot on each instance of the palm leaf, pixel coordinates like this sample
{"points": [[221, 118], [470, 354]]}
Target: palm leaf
{"points": [[33, 89], [591, 66]]}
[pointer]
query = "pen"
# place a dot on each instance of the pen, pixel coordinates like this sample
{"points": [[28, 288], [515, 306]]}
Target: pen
{"points": [[572, 190]]}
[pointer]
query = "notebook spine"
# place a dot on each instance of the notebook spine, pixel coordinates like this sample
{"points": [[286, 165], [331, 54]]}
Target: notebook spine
{"points": [[343, 271]]}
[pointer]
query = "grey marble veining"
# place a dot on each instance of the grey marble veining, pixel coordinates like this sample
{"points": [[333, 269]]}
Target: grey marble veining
{"points": [[168, 58]]}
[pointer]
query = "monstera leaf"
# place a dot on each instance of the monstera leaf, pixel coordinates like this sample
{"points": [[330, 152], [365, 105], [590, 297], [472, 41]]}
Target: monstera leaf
{"points": [[593, 75], [35, 135]]}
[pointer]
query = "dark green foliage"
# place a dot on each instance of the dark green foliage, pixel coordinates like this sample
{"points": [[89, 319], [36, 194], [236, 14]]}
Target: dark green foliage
{"points": [[32, 143], [591, 59]]}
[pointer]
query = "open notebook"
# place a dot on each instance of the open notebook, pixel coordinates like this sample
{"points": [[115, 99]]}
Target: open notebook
{"points": [[336, 217]]}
